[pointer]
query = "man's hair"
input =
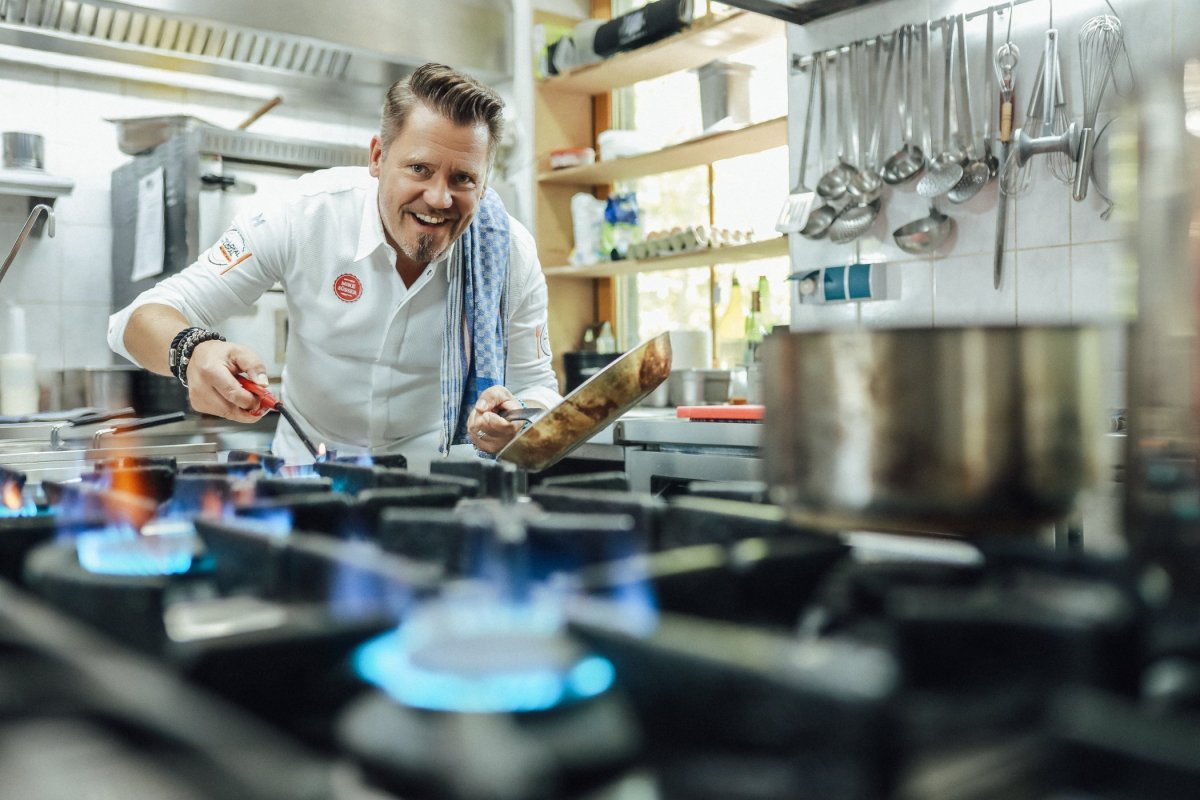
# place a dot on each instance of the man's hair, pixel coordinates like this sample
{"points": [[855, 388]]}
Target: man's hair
{"points": [[457, 97]]}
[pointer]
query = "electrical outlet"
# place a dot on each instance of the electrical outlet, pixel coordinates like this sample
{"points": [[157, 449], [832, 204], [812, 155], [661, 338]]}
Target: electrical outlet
{"points": [[853, 283]]}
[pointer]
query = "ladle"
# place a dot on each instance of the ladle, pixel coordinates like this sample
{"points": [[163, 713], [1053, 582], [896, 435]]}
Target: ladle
{"points": [[945, 170], [926, 234], [909, 161], [833, 184], [975, 169], [821, 217], [867, 185]]}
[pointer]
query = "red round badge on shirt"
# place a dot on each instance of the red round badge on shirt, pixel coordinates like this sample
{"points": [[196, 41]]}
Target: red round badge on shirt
{"points": [[347, 287]]}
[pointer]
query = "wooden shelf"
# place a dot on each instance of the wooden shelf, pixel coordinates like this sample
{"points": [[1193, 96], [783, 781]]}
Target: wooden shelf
{"points": [[769, 248], [692, 153], [706, 39]]}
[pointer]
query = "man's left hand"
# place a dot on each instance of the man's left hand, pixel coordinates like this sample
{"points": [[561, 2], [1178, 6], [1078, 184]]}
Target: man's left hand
{"points": [[489, 431]]}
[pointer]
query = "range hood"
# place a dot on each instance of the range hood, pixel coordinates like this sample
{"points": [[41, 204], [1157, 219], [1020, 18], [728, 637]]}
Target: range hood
{"points": [[334, 50], [798, 12]]}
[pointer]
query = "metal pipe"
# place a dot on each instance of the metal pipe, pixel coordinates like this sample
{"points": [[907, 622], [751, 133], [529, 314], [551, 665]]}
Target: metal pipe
{"points": [[24, 234]]}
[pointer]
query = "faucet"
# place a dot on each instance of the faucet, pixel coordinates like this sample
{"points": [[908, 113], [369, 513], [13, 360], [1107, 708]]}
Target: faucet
{"points": [[24, 234]]}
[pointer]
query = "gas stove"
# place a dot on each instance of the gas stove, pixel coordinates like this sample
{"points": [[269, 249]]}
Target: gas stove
{"points": [[353, 630]]}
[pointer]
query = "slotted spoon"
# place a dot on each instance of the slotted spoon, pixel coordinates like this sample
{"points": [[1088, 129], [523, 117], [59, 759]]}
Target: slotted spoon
{"points": [[944, 172], [975, 171]]}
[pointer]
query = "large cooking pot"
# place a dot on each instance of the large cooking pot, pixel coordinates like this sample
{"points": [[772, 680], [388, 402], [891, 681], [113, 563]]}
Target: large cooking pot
{"points": [[119, 386], [961, 430]]}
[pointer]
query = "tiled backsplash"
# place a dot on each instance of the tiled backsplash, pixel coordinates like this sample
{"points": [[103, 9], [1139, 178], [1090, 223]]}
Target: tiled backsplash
{"points": [[1060, 255], [1059, 252], [64, 282]]}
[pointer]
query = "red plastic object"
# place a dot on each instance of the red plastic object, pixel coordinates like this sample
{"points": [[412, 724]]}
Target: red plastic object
{"points": [[746, 412]]}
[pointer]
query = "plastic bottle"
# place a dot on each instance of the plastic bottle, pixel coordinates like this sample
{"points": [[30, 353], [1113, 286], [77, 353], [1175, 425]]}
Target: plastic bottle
{"points": [[606, 342], [18, 370], [764, 299], [731, 329], [755, 328]]}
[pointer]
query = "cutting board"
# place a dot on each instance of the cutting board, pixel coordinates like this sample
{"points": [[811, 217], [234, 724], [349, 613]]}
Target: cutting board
{"points": [[745, 412]]}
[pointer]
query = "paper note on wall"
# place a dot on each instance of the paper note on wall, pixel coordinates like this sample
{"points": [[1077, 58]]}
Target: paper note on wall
{"points": [[149, 243]]}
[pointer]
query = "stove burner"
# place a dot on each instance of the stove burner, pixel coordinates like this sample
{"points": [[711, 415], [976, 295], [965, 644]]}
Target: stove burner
{"points": [[12, 495], [123, 551], [495, 673]]}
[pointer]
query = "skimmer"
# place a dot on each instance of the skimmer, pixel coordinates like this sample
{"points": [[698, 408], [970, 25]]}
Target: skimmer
{"points": [[945, 171]]}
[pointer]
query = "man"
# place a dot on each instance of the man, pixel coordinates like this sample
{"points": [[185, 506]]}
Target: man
{"points": [[414, 300]]}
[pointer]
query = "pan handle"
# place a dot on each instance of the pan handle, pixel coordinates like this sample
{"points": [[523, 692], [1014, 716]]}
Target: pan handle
{"points": [[528, 414], [148, 422], [86, 418]]}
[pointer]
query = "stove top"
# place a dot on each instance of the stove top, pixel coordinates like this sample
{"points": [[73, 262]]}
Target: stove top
{"points": [[241, 629]]}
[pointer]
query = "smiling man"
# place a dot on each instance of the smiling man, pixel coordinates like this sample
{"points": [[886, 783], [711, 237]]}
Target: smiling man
{"points": [[416, 304]]}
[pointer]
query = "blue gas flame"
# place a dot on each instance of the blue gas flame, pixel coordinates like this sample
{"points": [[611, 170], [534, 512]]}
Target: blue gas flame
{"points": [[120, 550], [495, 680], [386, 662]]}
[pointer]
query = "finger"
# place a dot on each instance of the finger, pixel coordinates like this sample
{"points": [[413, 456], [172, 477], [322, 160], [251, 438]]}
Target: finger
{"points": [[246, 361], [491, 397]]}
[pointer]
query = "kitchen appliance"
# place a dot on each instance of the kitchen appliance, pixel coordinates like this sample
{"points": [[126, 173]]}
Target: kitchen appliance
{"points": [[209, 174]]}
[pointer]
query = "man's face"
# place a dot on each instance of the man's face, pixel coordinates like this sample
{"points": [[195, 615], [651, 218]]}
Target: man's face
{"points": [[430, 182]]}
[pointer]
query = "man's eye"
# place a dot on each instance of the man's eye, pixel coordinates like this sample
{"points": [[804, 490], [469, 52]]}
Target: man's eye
{"points": [[420, 169], [466, 180]]}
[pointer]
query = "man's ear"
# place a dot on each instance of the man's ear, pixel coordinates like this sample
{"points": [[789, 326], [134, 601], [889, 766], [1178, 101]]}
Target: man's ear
{"points": [[376, 157]]}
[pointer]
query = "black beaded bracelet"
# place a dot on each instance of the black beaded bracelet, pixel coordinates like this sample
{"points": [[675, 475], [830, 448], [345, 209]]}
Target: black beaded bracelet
{"points": [[182, 346]]}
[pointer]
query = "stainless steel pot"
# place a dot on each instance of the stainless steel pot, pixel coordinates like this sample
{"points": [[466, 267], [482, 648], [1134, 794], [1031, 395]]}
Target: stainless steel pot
{"points": [[23, 150], [961, 430]]}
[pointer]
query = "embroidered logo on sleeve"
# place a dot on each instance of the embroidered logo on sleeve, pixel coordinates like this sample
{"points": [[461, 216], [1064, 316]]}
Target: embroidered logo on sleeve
{"points": [[347, 287], [229, 251], [542, 332]]}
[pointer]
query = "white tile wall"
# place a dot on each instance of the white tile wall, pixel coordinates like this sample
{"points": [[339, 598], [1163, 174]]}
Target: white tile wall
{"points": [[1060, 253], [64, 282]]}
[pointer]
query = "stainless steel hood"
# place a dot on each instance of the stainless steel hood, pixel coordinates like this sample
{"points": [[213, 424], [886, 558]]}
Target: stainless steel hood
{"points": [[335, 50]]}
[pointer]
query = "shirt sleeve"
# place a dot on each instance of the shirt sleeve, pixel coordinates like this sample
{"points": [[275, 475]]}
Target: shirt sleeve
{"points": [[529, 374], [226, 279]]}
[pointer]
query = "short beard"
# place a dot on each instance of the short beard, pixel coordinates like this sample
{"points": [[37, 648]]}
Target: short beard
{"points": [[424, 252]]}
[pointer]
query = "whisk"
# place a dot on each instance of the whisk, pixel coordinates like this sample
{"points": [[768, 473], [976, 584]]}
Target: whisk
{"points": [[1014, 175], [1100, 42]]}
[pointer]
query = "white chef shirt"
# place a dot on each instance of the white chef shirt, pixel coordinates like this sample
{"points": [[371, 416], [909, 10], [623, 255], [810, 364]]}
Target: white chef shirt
{"points": [[363, 350]]}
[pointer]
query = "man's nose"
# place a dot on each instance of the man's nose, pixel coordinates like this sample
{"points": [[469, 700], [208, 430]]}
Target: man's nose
{"points": [[437, 193]]}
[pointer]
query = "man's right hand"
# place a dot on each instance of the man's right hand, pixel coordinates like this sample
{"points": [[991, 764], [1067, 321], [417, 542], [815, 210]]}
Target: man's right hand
{"points": [[213, 387]]}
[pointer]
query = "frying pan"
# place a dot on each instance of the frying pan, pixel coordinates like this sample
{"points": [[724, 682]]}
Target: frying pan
{"points": [[594, 404]]}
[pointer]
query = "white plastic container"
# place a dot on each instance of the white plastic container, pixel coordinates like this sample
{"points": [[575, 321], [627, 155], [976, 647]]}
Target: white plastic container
{"points": [[724, 95], [18, 370]]}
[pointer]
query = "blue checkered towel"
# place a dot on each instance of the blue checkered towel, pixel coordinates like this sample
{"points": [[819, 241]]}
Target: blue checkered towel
{"points": [[475, 341]]}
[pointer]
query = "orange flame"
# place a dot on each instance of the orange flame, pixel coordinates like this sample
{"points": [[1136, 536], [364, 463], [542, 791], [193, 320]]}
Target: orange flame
{"points": [[11, 494]]}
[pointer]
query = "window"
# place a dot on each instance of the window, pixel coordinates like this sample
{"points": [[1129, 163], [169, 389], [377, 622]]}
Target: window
{"points": [[742, 194]]}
